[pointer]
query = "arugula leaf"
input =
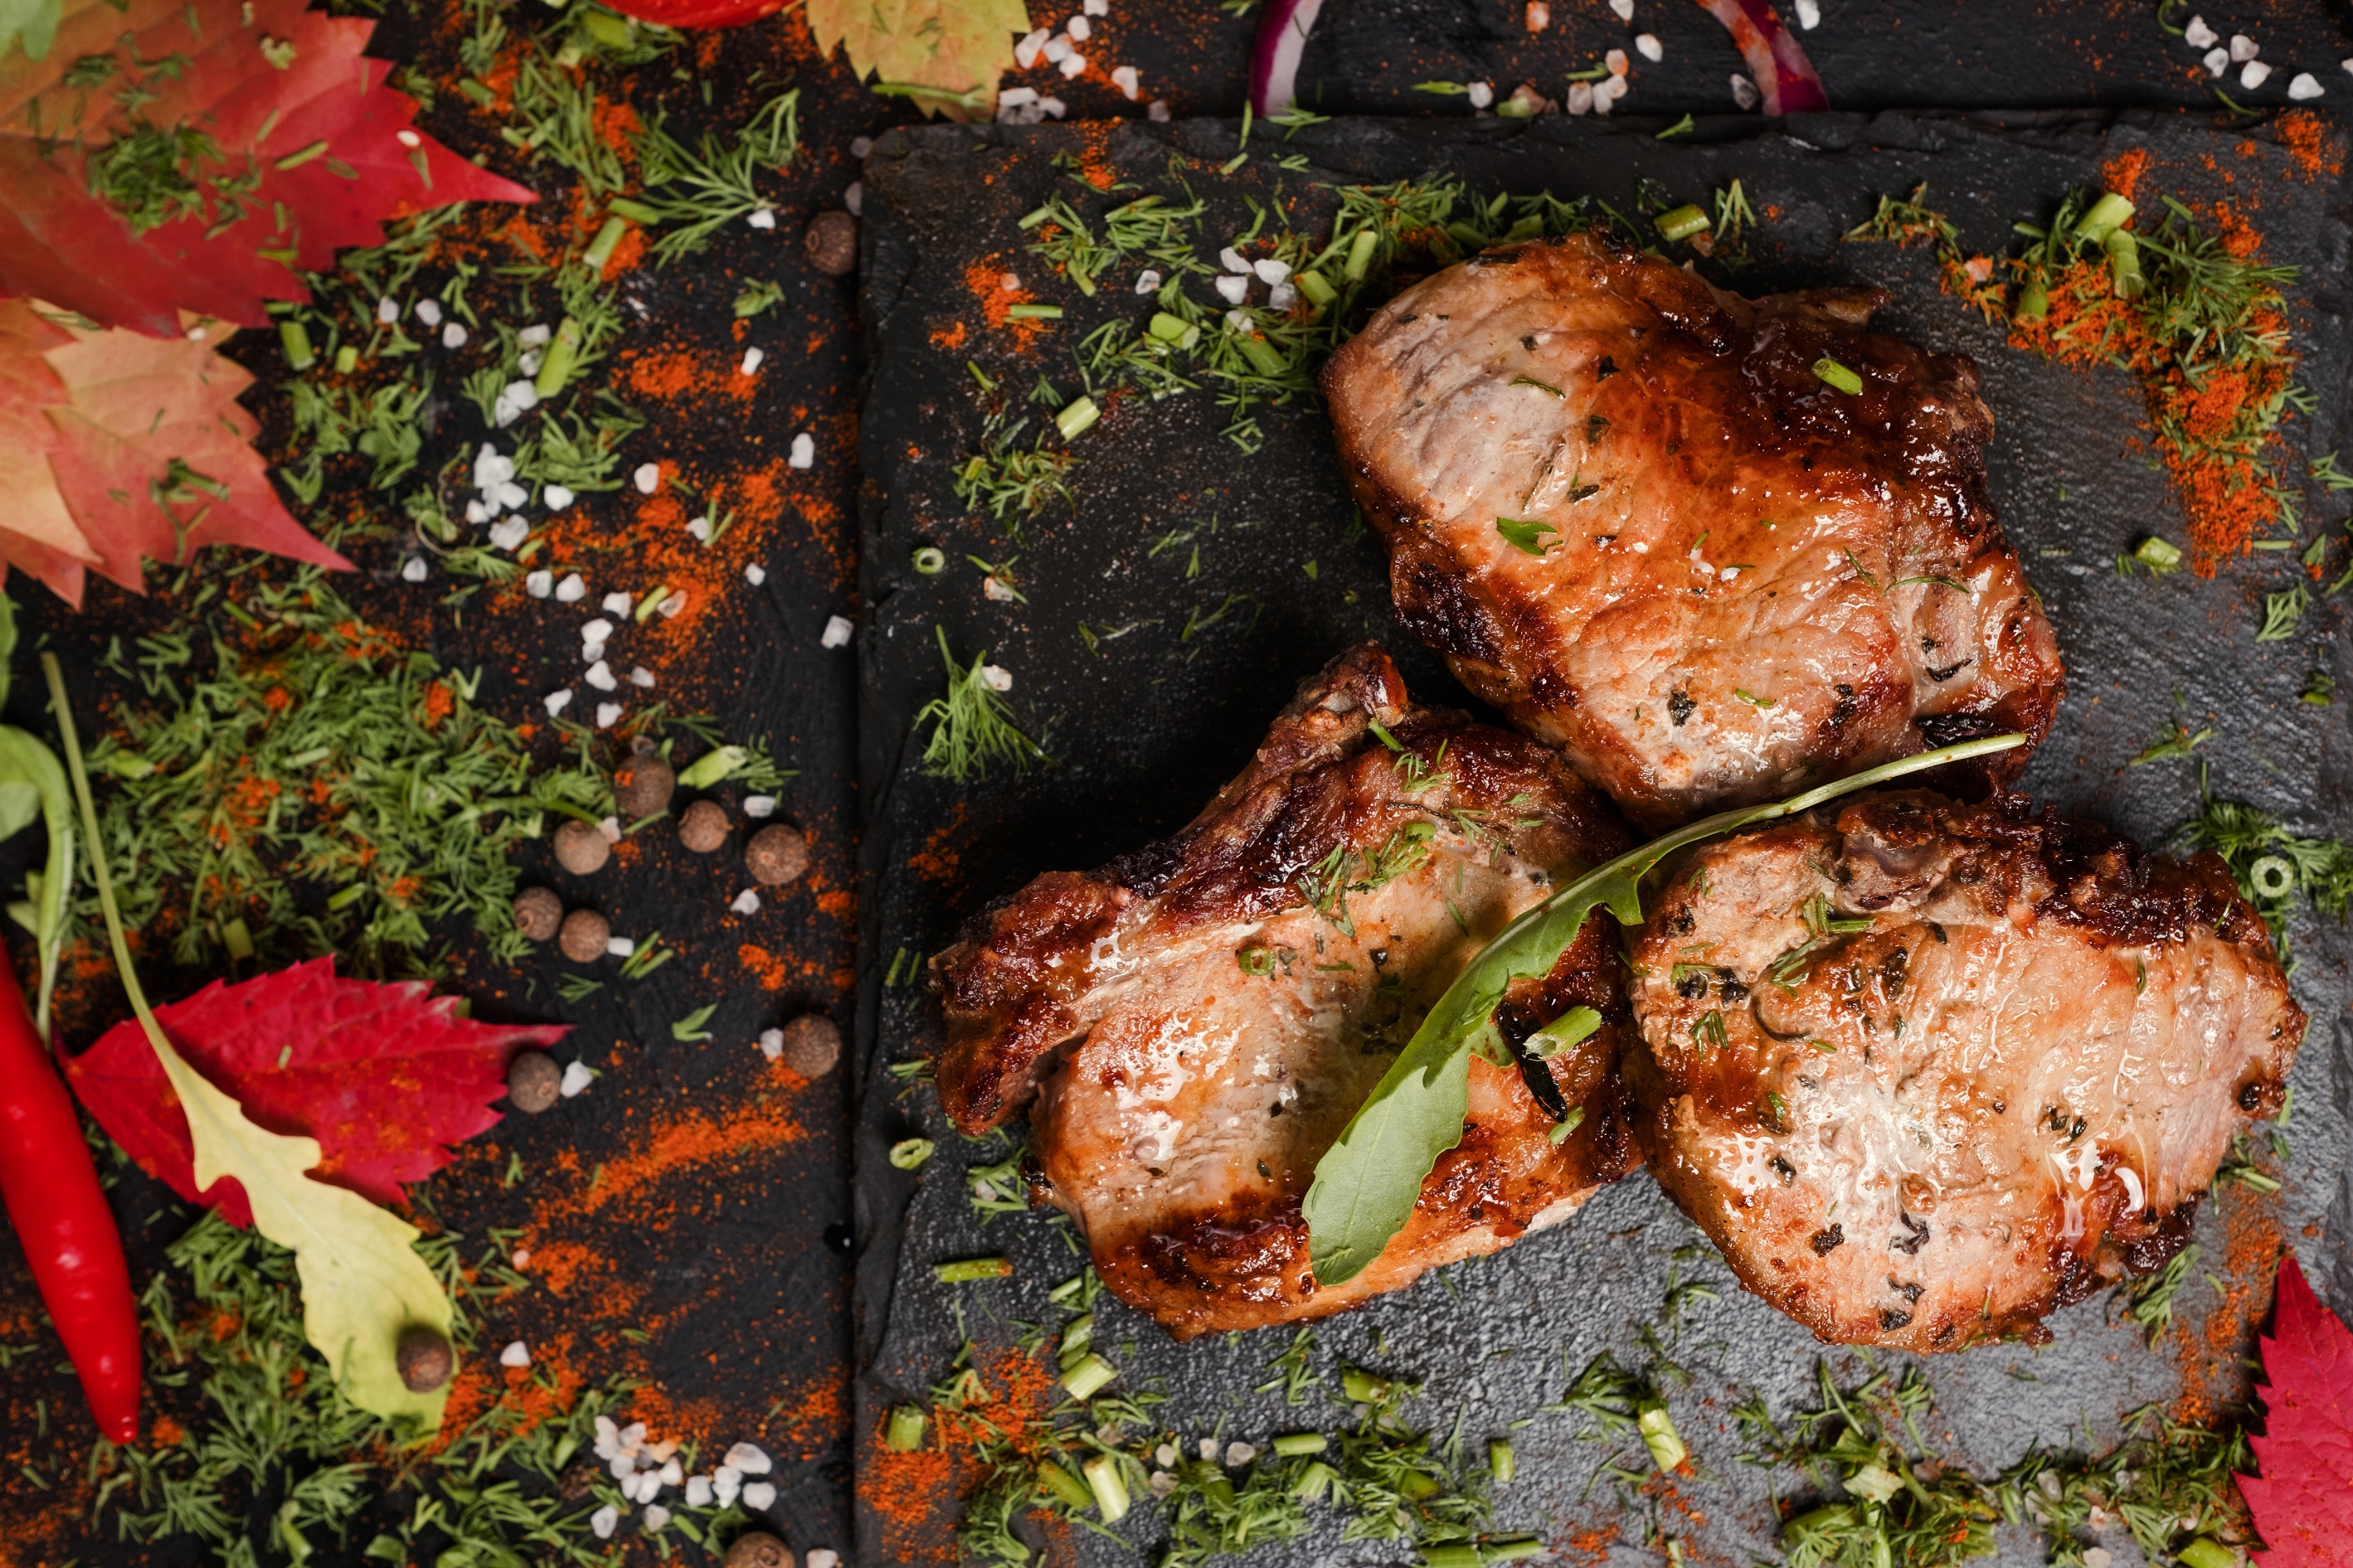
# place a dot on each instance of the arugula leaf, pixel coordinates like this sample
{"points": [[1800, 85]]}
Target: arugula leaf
{"points": [[1526, 536], [1367, 1182]]}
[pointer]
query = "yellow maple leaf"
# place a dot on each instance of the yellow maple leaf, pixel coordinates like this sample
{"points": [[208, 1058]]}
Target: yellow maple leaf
{"points": [[363, 1281], [951, 52]]}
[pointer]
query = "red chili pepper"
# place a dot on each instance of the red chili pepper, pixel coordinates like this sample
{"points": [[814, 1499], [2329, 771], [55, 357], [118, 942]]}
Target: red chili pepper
{"points": [[50, 1187]]}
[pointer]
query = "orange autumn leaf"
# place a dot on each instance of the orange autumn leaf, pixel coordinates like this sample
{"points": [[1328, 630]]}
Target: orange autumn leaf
{"points": [[115, 446], [165, 155]]}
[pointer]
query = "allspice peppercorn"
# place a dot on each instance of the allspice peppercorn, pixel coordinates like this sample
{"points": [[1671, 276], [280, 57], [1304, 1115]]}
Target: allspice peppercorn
{"points": [[423, 1358], [643, 785], [812, 1046], [777, 855], [533, 1081], [703, 828], [584, 936], [582, 847], [759, 1548], [832, 243], [537, 912]]}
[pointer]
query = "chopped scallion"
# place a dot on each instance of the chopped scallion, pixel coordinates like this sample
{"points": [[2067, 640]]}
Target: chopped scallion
{"points": [[1832, 374], [1682, 223]]}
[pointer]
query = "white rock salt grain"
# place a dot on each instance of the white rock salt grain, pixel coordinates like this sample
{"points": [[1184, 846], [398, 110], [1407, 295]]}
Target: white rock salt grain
{"points": [[535, 336], [509, 533], [2305, 85], [2253, 74], [557, 701], [761, 218], [2244, 48], [1625, 9], [1209, 1450], [823, 1557], [996, 679], [749, 1458], [412, 570], [699, 527], [759, 805], [1809, 14], [726, 1476], [1743, 92], [428, 312], [759, 1496], [1026, 52], [557, 497], [1233, 261], [860, 145], [2217, 60], [388, 312], [1148, 280], [633, 1435], [746, 902], [530, 362], [1079, 28], [1581, 97], [1130, 84], [1647, 45], [600, 676], [2198, 35], [1074, 67], [698, 1491], [577, 1076], [519, 399], [453, 335], [1281, 297], [1234, 288], [615, 603], [668, 609], [602, 1522], [804, 452], [674, 1474], [640, 676], [752, 358], [1056, 49], [516, 1354], [597, 630], [1158, 111], [837, 632], [656, 1517], [1239, 1454], [572, 590], [607, 715], [1616, 61], [648, 478], [853, 197], [1271, 270], [756, 573], [1480, 95], [512, 495]]}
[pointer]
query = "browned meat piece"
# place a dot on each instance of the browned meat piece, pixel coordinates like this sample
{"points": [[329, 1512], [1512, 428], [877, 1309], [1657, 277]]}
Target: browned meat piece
{"points": [[1927, 1072], [1750, 582], [1199, 1021]]}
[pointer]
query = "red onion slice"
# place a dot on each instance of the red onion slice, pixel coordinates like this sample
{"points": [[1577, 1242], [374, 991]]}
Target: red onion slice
{"points": [[1784, 75], [1274, 60]]}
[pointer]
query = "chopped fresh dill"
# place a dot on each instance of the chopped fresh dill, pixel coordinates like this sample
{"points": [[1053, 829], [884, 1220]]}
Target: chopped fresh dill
{"points": [[972, 727]]}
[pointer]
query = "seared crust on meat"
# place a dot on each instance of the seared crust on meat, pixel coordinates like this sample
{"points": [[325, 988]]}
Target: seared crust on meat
{"points": [[1198, 1020], [1927, 1072], [1753, 582]]}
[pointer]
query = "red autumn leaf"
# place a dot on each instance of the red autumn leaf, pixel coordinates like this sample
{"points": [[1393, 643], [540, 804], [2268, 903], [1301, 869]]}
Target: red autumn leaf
{"points": [[240, 141], [2304, 1502], [115, 446], [382, 1076]]}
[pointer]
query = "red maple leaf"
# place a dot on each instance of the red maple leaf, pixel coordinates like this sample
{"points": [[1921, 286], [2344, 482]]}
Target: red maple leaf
{"points": [[382, 1076], [2304, 1502], [239, 142], [115, 446]]}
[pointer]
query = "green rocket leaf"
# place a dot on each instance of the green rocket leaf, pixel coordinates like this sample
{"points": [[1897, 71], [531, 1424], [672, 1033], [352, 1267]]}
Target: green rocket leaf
{"points": [[1367, 1182]]}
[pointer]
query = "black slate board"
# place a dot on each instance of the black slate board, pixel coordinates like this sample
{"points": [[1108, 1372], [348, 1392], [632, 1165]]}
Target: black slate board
{"points": [[1143, 730]]}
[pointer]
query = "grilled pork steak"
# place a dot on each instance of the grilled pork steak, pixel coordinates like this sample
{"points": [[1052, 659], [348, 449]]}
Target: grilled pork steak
{"points": [[1200, 1020], [1926, 1071], [1750, 582]]}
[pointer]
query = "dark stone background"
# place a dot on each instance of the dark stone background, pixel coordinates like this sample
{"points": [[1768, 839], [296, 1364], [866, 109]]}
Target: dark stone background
{"points": [[737, 1281]]}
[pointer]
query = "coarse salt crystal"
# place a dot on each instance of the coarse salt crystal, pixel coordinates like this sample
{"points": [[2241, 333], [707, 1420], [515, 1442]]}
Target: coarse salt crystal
{"points": [[698, 1491], [996, 678], [407, 138], [1130, 84], [607, 715], [388, 310], [477, 513], [523, 1257], [746, 902], [519, 399], [429, 311], [749, 1458], [1074, 65], [2347, 64], [1617, 62], [2305, 85], [2217, 60], [1239, 321], [640, 676], [1209, 1450], [700, 528], [600, 676], [726, 1475], [602, 1522], [648, 478], [577, 1076], [1624, 8], [1271, 270], [615, 603], [1095, 7], [2244, 48], [1607, 91], [1538, 16], [823, 1557], [1148, 280], [656, 1517], [633, 1435], [2198, 35], [2098, 1556], [756, 573], [1581, 97], [759, 805], [672, 1473], [1231, 260], [1743, 92], [1157, 110], [752, 358], [508, 535], [493, 468], [761, 218], [1026, 52], [669, 607], [535, 336], [621, 947], [837, 632], [804, 452], [512, 494], [1810, 15], [1239, 1454], [530, 362], [1016, 96], [624, 1468], [1480, 95], [1281, 297], [557, 701], [759, 1496], [557, 497], [412, 570], [453, 335], [860, 145], [1056, 49], [597, 630], [1053, 106], [607, 1431], [516, 1354], [1234, 288], [2254, 73], [1079, 28], [1647, 45], [572, 590]]}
